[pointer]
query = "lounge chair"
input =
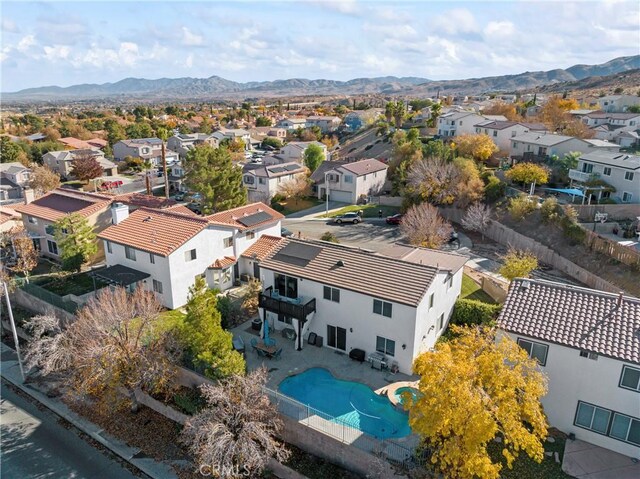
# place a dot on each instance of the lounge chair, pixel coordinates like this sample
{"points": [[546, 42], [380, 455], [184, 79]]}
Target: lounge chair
{"points": [[278, 353]]}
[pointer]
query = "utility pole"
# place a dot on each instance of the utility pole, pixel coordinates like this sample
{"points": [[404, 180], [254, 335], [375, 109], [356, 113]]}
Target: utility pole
{"points": [[166, 173], [13, 327]]}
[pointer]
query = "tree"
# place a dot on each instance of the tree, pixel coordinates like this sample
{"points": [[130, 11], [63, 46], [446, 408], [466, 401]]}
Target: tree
{"points": [[26, 255], [313, 156], [507, 110], [85, 167], [11, 152], [436, 109], [296, 187], [578, 129], [115, 343], [43, 179], [479, 147], [554, 113], [140, 129], [209, 346], [528, 173], [470, 188], [272, 142], [263, 121], [235, 434], [76, 240], [517, 264], [115, 132], [521, 206], [424, 227], [634, 108], [434, 180], [472, 390], [477, 218], [211, 172], [51, 133]]}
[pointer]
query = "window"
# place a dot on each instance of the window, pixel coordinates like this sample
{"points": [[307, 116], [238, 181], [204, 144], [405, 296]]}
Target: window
{"points": [[52, 246], [630, 378], [32, 220], [348, 179], [515, 145], [262, 181], [332, 294], [607, 171], [450, 281], [385, 346], [157, 286], [109, 250], [495, 133], [610, 423], [431, 299], [587, 167], [228, 242], [382, 307], [625, 428], [250, 235], [536, 350], [284, 319], [285, 285], [248, 179], [626, 197], [587, 354], [592, 417], [225, 275], [152, 258], [49, 229], [130, 253], [440, 321], [190, 255], [628, 175]]}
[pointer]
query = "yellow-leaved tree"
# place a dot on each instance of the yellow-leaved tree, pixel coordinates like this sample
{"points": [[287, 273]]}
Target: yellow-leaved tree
{"points": [[479, 147], [473, 390]]}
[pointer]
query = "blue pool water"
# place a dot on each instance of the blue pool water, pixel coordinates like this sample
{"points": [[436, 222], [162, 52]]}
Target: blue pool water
{"points": [[414, 394], [349, 402]]}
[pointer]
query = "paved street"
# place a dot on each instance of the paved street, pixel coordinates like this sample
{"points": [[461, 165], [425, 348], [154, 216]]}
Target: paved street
{"points": [[35, 445]]}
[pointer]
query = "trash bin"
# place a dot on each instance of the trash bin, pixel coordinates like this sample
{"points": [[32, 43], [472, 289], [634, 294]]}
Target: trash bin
{"points": [[319, 341]]}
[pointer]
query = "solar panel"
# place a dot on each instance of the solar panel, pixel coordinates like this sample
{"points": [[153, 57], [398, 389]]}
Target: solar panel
{"points": [[298, 254], [277, 169], [255, 218], [291, 167]]}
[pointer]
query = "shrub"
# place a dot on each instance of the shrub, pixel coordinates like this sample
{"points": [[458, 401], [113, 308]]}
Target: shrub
{"points": [[470, 312], [494, 188], [520, 207], [574, 233], [189, 403], [330, 237], [518, 264], [549, 210]]}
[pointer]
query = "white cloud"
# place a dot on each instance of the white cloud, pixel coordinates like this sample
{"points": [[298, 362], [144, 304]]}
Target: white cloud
{"points": [[500, 28], [458, 20], [391, 31], [26, 43], [56, 52], [190, 39], [347, 7], [108, 58], [189, 61], [9, 26]]}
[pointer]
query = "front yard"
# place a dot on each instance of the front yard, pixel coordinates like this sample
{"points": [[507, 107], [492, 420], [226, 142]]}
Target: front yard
{"points": [[368, 211], [293, 205]]}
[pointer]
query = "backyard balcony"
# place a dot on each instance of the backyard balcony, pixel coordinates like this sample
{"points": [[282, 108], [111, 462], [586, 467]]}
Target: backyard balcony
{"points": [[298, 308], [580, 176]]}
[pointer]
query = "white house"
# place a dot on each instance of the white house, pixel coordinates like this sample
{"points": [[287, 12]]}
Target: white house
{"points": [[456, 123], [61, 161], [262, 182], [540, 144], [587, 344], [502, 132], [294, 150], [617, 103], [349, 182], [14, 178], [173, 248], [325, 123], [147, 149], [233, 134], [292, 123], [609, 126], [620, 170], [396, 304], [182, 142]]}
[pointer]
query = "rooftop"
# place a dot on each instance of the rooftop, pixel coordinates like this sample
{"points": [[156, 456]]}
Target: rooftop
{"points": [[364, 167], [604, 323], [274, 171], [262, 248], [613, 158], [540, 138], [439, 259], [246, 217], [60, 202]]}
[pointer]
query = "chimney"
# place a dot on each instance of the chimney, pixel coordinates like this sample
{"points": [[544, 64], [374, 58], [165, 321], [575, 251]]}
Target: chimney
{"points": [[29, 195], [119, 213], [619, 303]]}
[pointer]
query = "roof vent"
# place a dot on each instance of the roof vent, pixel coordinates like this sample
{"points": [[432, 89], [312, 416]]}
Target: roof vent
{"points": [[525, 285], [619, 303], [147, 219], [340, 263]]}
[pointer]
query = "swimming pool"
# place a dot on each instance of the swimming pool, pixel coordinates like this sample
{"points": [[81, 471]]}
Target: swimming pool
{"points": [[413, 394], [349, 402]]}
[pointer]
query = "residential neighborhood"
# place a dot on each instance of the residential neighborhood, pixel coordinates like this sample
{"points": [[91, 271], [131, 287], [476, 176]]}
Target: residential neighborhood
{"points": [[310, 240]]}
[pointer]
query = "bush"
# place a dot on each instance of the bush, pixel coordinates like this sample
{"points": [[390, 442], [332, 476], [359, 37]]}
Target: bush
{"points": [[520, 207], [549, 210], [470, 312], [329, 236], [494, 188], [189, 403], [574, 233]]}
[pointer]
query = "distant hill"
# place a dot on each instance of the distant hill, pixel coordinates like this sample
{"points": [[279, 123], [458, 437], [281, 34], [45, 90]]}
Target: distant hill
{"points": [[217, 87]]}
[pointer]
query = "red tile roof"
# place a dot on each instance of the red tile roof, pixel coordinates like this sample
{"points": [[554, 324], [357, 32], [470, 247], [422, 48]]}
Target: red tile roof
{"points": [[231, 217], [263, 247], [142, 200], [61, 201], [157, 231], [183, 210], [75, 143], [223, 263]]}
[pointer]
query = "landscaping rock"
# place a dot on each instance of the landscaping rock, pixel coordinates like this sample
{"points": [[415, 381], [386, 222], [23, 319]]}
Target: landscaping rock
{"points": [[497, 439], [551, 440]]}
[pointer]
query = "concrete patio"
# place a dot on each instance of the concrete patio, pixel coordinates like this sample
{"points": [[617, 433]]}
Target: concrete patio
{"points": [[586, 461]]}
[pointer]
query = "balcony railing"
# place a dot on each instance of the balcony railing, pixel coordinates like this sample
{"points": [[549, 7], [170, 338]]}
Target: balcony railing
{"points": [[293, 307], [581, 176]]}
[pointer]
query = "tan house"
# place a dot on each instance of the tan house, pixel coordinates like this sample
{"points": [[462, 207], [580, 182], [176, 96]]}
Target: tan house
{"points": [[60, 161]]}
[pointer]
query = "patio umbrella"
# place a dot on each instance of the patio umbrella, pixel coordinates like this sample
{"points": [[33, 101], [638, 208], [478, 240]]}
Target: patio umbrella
{"points": [[265, 331]]}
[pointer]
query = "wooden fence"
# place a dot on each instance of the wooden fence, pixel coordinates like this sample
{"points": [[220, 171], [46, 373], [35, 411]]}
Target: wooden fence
{"points": [[625, 254]]}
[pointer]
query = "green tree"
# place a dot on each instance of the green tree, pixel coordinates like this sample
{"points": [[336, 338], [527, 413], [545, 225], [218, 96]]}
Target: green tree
{"points": [[518, 264], [10, 151], [115, 132], [263, 121], [271, 142], [211, 172], [139, 130], [313, 156], [436, 108], [76, 240], [210, 346]]}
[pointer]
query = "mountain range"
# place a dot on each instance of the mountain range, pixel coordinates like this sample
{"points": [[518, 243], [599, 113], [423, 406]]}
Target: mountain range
{"points": [[216, 87]]}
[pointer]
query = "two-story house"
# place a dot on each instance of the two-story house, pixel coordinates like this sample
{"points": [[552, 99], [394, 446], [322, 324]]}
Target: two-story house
{"points": [[609, 126], [396, 304], [147, 149], [14, 178], [620, 170], [231, 134], [587, 344], [325, 123], [263, 182], [502, 132], [174, 248], [541, 144], [454, 123], [61, 161], [292, 124], [617, 103], [294, 150], [348, 182], [183, 142]]}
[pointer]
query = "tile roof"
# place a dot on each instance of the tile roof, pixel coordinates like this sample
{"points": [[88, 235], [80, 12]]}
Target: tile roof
{"points": [[223, 263], [262, 248], [75, 143], [7, 214], [98, 142], [430, 257], [274, 171], [613, 158], [60, 202], [231, 217], [364, 167], [157, 231], [149, 201], [181, 209], [540, 138], [575, 317], [362, 271]]}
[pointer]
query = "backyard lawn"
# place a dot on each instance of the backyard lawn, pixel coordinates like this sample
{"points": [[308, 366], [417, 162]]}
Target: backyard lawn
{"points": [[293, 205], [472, 290], [77, 284], [369, 211]]}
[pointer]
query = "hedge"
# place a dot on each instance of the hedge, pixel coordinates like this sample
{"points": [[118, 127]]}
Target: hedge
{"points": [[468, 312]]}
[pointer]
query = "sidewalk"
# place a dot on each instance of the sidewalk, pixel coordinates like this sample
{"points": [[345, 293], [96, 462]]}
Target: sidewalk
{"points": [[10, 371], [311, 213]]}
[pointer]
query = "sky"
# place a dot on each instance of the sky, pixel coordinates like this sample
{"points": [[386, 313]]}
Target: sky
{"points": [[67, 43]]}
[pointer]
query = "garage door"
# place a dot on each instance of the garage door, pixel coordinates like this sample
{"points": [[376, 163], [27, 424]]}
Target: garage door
{"points": [[342, 196]]}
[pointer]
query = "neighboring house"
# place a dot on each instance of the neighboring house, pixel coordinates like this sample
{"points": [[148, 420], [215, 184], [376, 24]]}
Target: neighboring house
{"points": [[502, 132], [456, 123], [628, 139], [603, 145], [261, 132], [147, 149], [10, 219], [98, 143], [14, 178], [262, 182], [60, 161], [588, 346], [294, 150], [36, 137], [39, 216], [233, 135], [173, 249], [541, 145], [325, 123], [75, 144], [182, 142], [397, 304], [620, 170], [358, 119], [292, 123], [609, 126], [617, 103], [349, 182]]}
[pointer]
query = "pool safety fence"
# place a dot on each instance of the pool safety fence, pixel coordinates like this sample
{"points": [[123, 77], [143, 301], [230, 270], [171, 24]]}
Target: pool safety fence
{"points": [[342, 431]]}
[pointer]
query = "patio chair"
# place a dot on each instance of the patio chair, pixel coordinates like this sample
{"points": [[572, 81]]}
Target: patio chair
{"points": [[261, 353], [278, 353], [269, 342]]}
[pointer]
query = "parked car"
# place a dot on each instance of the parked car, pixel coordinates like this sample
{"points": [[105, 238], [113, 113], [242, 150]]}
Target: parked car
{"points": [[110, 185], [395, 219], [351, 217], [179, 197], [285, 233], [195, 207]]}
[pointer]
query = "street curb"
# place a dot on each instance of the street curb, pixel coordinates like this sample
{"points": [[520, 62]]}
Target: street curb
{"points": [[150, 467]]}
